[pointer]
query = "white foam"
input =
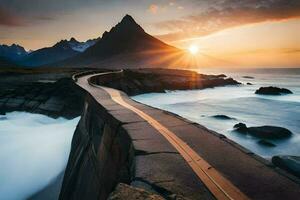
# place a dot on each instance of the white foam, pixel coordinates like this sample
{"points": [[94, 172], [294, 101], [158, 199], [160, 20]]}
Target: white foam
{"points": [[34, 149]]}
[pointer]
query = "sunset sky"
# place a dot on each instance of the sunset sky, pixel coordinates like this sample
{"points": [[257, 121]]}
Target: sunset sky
{"points": [[227, 32]]}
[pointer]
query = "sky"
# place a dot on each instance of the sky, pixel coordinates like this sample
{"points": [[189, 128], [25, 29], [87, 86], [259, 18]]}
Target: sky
{"points": [[227, 32]]}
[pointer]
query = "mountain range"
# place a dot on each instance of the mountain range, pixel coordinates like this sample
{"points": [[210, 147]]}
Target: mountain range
{"points": [[126, 45], [14, 52]]}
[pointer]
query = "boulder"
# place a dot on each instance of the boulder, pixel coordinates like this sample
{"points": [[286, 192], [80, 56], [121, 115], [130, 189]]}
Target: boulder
{"points": [[288, 163], [249, 83], [272, 91], [267, 132], [240, 127], [223, 117]]}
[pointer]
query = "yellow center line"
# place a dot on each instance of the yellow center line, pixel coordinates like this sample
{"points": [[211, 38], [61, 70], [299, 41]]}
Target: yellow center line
{"points": [[218, 185]]}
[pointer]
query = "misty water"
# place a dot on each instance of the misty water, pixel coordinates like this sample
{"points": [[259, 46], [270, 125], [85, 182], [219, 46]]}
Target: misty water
{"points": [[240, 103], [34, 150]]}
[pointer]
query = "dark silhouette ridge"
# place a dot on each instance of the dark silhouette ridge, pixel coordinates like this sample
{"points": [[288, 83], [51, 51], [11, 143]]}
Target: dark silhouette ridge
{"points": [[125, 45], [60, 51], [13, 52]]}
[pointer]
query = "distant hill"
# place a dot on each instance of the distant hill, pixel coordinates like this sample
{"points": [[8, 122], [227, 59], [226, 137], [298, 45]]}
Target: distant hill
{"points": [[60, 51], [126, 45], [14, 52]]}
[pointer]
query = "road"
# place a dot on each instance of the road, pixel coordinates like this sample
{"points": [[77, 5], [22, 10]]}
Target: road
{"points": [[220, 177]]}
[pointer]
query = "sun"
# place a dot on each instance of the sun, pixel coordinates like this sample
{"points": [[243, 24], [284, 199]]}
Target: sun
{"points": [[193, 49]]}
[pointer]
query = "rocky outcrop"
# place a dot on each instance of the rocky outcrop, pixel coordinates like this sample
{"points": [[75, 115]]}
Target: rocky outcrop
{"points": [[288, 163], [134, 82], [272, 91], [267, 132], [54, 99]]}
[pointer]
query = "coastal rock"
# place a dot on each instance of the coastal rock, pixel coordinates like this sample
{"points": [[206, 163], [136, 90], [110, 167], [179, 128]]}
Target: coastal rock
{"points": [[139, 81], [223, 117], [123, 192], [272, 91], [266, 143], [267, 132], [288, 163], [249, 83], [248, 77], [240, 127]]}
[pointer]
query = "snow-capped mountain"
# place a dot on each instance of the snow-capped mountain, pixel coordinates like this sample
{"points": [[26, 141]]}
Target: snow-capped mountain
{"points": [[81, 46]]}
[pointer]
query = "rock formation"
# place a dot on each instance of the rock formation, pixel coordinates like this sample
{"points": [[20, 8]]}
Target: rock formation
{"points": [[272, 91], [268, 132]]}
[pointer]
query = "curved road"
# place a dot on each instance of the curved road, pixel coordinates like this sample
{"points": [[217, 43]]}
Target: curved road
{"points": [[221, 187]]}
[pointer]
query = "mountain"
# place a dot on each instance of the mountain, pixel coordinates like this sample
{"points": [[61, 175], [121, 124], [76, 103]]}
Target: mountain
{"points": [[60, 51], [126, 45], [4, 63], [13, 52], [81, 46], [48, 55]]}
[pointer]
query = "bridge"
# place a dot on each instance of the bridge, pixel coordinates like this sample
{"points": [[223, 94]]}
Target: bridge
{"points": [[121, 140]]}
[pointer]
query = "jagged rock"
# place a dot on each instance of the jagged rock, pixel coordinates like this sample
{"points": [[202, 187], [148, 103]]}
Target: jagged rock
{"points": [[288, 163], [272, 91], [268, 132], [126, 192]]}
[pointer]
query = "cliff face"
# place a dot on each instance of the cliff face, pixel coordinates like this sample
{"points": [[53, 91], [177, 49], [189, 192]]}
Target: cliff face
{"points": [[101, 155]]}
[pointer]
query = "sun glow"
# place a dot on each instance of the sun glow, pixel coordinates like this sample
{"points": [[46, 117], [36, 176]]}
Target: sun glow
{"points": [[193, 49]]}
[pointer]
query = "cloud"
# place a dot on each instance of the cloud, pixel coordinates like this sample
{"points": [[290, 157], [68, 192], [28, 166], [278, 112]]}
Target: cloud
{"points": [[10, 19], [229, 13], [153, 8]]}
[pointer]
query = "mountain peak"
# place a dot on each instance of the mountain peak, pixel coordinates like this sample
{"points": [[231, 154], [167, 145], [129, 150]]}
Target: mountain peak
{"points": [[73, 40], [128, 18]]}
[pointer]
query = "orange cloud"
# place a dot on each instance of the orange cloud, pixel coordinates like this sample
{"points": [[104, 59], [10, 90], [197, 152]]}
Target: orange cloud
{"points": [[153, 8], [230, 13]]}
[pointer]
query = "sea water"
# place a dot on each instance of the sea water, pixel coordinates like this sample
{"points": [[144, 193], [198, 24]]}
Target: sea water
{"points": [[242, 105], [34, 150]]}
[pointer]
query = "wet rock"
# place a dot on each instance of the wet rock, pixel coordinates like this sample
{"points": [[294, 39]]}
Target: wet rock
{"points": [[223, 117], [288, 163], [240, 127], [266, 143], [272, 91], [249, 83], [267, 132], [125, 192], [248, 77]]}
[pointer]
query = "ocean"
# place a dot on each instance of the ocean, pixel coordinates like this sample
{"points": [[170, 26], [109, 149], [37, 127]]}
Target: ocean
{"points": [[242, 105]]}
